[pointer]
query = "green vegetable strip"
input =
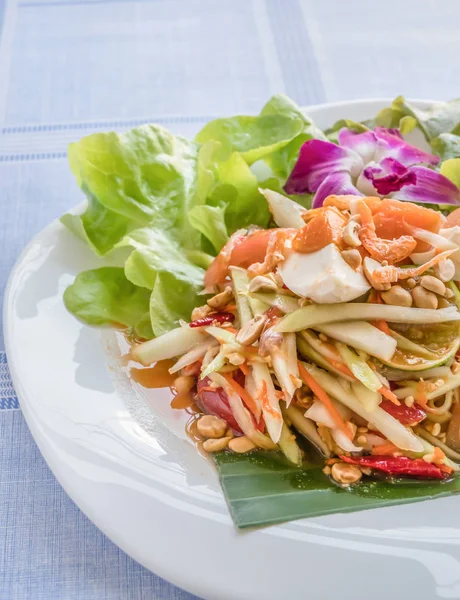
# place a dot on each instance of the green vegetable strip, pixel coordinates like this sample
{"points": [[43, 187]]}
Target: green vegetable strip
{"points": [[285, 303], [241, 283], [359, 368], [317, 314], [289, 446], [307, 351], [405, 344]]}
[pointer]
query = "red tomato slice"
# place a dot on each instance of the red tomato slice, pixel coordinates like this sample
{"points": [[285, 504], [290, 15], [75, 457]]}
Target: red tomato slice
{"points": [[404, 414], [240, 251]]}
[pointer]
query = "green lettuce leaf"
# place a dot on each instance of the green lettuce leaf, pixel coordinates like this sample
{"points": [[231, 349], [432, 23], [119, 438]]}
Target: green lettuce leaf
{"points": [[158, 263], [440, 117], [253, 137], [239, 190], [98, 226], [145, 176], [333, 132], [451, 169], [155, 251], [172, 300], [210, 221], [104, 296], [282, 160], [446, 146]]}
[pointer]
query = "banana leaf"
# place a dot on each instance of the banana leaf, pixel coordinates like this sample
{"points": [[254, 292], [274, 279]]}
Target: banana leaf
{"points": [[263, 488]]}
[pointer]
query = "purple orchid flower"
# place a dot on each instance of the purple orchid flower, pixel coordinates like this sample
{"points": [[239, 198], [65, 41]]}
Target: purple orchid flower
{"points": [[373, 163]]}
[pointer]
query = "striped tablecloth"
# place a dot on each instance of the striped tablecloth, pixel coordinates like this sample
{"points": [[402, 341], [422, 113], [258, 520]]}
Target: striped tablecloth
{"points": [[70, 67]]}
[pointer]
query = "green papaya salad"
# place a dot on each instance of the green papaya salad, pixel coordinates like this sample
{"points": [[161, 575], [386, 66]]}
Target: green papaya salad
{"points": [[303, 284]]}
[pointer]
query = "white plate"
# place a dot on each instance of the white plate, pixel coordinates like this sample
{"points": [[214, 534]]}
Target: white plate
{"points": [[122, 455]]}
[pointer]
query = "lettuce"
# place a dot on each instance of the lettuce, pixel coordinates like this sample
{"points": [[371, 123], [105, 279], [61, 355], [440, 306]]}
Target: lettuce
{"points": [[446, 146], [158, 263], [282, 160], [440, 117], [144, 176], [253, 137], [451, 169], [105, 297], [210, 221]]}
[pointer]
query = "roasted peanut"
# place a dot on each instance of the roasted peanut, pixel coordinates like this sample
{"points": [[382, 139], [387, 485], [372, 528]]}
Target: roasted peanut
{"points": [[445, 270], [222, 299], [369, 273], [352, 257], [409, 401], [409, 283], [436, 429], [236, 358], [184, 384], [433, 284], [423, 298], [350, 234], [241, 445], [210, 426], [251, 331], [215, 445], [443, 303], [200, 312], [345, 474], [397, 296]]}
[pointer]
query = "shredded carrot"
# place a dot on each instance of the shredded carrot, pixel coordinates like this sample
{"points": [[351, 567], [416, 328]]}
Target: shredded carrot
{"points": [[266, 402], [230, 307], [242, 393], [420, 394], [446, 469], [250, 350], [438, 455], [342, 367], [382, 325], [387, 449], [231, 329], [388, 394], [326, 400], [244, 369]]}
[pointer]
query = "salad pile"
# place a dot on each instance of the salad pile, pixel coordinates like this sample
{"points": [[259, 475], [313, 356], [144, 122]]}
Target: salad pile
{"points": [[304, 282]]}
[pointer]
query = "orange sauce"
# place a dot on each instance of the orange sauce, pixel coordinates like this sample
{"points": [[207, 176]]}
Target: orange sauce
{"points": [[157, 376]]}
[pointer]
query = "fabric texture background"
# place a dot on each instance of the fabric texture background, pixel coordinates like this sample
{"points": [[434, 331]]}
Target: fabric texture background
{"points": [[71, 67]]}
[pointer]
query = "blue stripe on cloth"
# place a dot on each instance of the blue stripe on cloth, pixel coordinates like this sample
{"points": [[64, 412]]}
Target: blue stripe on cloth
{"points": [[49, 549], [295, 51], [2, 13], [33, 156], [107, 124], [8, 398]]}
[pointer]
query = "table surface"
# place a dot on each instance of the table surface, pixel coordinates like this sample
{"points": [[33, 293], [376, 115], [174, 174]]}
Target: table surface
{"points": [[71, 67]]}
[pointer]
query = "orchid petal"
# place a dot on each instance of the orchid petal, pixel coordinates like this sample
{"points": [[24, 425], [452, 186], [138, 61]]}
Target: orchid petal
{"points": [[382, 143], [381, 132], [365, 144], [338, 183], [385, 177], [394, 146], [430, 187], [318, 160]]}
